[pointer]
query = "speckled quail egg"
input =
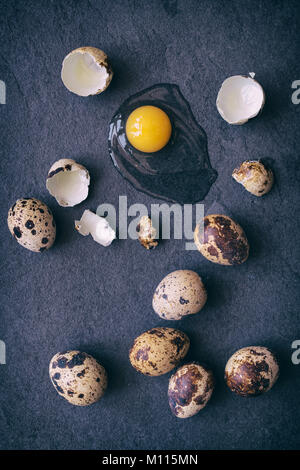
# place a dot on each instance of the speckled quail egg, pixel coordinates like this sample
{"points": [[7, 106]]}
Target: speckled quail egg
{"points": [[255, 177], [251, 371], [159, 350], [223, 241], [68, 182], [190, 388], [78, 377], [31, 223], [180, 293]]}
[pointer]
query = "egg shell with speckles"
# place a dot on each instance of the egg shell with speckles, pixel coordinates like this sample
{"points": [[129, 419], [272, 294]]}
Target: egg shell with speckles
{"points": [[223, 241], [180, 293], [159, 350], [78, 377], [255, 177], [251, 371], [31, 223], [190, 388]]}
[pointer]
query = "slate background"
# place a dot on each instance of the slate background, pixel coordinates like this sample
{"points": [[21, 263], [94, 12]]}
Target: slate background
{"points": [[81, 295]]}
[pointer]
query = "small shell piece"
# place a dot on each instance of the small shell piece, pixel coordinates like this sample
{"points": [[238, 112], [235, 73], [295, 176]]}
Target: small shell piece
{"points": [[97, 226], [190, 388], [251, 371], [159, 350], [86, 71], [223, 241], [255, 177], [68, 182], [78, 377], [147, 233], [240, 98], [31, 223], [180, 293]]}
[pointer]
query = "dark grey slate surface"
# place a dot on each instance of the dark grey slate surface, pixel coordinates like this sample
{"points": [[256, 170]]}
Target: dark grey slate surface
{"points": [[80, 295]]}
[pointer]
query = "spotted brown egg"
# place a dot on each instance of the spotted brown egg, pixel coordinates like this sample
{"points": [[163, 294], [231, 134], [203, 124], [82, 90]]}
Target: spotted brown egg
{"points": [[251, 371], [222, 241], [180, 293], [78, 377], [190, 388], [159, 350], [31, 223]]}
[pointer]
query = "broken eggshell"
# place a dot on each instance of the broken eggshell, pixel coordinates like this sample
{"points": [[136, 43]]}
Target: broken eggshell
{"points": [[147, 233], [86, 71], [97, 226], [255, 177], [240, 98], [68, 182]]}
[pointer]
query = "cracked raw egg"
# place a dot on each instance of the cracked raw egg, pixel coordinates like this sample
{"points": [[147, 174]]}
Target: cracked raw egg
{"points": [[157, 145]]}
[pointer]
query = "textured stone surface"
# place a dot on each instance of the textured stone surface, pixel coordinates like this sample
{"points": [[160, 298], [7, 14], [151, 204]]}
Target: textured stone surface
{"points": [[79, 295]]}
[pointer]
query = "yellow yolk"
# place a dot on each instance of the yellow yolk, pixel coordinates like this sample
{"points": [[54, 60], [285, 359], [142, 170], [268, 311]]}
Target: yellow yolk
{"points": [[148, 129]]}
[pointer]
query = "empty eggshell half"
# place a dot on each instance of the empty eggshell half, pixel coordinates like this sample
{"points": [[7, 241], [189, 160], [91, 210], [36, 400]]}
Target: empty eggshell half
{"points": [[240, 99], [86, 71], [68, 182], [97, 226]]}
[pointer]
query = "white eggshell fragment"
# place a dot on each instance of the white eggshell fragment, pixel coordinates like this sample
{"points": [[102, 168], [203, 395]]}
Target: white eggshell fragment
{"points": [[251, 371], [31, 223], [190, 388], [180, 293], [97, 226], [78, 377], [240, 99], [86, 71], [68, 182]]}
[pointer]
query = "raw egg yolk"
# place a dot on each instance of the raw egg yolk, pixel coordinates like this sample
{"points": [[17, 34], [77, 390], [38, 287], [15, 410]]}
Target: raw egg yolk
{"points": [[148, 129]]}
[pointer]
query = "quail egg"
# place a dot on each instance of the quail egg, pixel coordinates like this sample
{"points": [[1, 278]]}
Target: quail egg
{"points": [[31, 223], [190, 388], [159, 350], [251, 371], [78, 377], [157, 145], [255, 177], [223, 241], [180, 293]]}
